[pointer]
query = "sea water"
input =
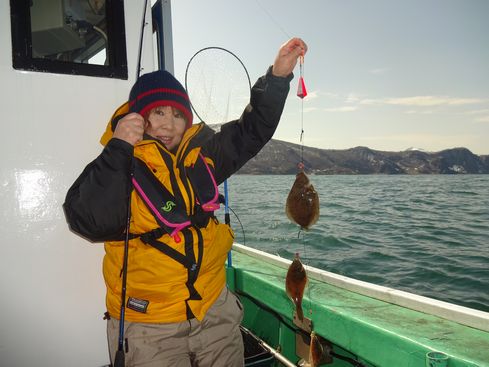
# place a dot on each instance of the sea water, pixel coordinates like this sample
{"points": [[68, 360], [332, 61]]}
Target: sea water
{"points": [[424, 234]]}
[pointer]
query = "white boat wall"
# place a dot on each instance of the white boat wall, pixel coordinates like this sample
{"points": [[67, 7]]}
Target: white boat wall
{"points": [[53, 293]]}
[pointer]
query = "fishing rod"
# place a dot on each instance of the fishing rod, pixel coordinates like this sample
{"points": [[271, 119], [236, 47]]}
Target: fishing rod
{"points": [[227, 218], [141, 37], [120, 357], [275, 354]]}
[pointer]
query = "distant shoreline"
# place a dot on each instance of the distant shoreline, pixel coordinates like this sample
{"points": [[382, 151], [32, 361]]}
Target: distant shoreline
{"points": [[281, 158]]}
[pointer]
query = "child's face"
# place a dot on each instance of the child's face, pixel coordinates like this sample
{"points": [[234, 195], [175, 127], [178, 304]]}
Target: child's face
{"points": [[167, 124]]}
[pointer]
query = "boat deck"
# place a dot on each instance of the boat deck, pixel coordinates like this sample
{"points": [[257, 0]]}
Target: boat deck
{"points": [[376, 332]]}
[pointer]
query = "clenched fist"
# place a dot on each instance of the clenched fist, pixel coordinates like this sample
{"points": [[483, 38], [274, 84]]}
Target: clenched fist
{"points": [[287, 56], [130, 128]]}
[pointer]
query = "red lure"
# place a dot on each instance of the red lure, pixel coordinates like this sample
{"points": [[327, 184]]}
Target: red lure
{"points": [[301, 88]]}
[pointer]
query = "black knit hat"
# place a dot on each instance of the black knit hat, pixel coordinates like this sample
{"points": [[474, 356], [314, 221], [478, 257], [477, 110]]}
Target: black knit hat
{"points": [[159, 88]]}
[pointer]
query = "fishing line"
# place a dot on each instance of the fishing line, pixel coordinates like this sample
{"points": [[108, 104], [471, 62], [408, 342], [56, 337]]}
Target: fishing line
{"points": [[301, 93], [241, 224], [273, 19], [306, 262]]}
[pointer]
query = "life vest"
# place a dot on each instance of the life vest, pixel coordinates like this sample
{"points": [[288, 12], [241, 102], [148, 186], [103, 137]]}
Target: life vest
{"points": [[182, 227], [170, 213], [168, 209]]}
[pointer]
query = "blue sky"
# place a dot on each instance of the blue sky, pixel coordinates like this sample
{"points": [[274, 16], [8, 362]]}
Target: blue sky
{"points": [[389, 75]]}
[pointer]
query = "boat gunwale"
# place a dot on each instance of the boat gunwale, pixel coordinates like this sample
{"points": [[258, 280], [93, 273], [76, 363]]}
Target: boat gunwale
{"points": [[460, 314]]}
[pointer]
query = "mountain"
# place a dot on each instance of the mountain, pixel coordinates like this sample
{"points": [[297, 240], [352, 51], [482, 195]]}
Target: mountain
{"points": [[280, 157]]}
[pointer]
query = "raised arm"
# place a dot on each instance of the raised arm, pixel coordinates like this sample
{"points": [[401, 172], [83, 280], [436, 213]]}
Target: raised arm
{"points": [[240, 140]]}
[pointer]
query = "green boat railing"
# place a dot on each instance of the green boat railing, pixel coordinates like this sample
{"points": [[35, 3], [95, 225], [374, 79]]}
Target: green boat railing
{"points": [[362, 323]]}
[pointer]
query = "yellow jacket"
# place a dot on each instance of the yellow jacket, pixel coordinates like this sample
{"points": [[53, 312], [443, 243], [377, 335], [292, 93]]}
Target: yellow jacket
{"points": [[158, 287], [156, 283]]}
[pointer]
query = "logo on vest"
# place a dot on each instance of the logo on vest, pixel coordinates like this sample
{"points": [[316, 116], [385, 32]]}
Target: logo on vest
{"points": [[169, 205], [138, 305]]}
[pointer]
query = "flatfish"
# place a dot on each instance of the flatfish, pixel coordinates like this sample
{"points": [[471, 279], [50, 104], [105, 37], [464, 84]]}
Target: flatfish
{"points": [[315, 351], [319, 353], [302, 206], [295, 283]]}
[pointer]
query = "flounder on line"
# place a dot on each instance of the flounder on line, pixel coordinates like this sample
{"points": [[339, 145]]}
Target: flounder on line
{"points": [[318, 355], [295, 283], [302, 206], [315, 351]]}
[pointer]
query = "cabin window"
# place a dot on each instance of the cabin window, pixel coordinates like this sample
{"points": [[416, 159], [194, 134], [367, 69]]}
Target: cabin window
{"points": [[83, 37]]}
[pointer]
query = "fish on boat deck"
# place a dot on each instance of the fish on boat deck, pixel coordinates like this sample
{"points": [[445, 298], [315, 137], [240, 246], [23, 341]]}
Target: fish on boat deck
{"points": [[302, 206], [295, 283]]}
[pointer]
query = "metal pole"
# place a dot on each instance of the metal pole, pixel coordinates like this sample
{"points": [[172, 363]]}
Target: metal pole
{"points": [[279, 357]]}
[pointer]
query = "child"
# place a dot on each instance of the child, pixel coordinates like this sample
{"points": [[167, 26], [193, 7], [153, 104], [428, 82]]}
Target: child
{"points": [[178, 310]]}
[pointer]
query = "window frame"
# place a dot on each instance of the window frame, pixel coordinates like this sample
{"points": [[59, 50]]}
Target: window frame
{"points": [[22, 45]]}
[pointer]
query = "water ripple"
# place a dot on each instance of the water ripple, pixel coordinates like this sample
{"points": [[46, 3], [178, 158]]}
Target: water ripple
{"points": [[426, 234]]}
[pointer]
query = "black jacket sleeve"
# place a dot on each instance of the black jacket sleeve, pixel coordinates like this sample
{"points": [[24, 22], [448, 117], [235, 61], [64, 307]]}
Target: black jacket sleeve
{"points": [[240, 140], [96, 204]]}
